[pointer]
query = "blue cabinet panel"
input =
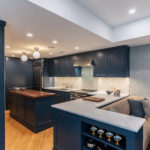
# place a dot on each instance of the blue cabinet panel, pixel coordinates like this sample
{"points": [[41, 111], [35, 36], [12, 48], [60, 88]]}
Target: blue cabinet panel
{"points": [[2, 122], [113, 62], [110, 62], [100, 64], [2, 134], [63, 67]]}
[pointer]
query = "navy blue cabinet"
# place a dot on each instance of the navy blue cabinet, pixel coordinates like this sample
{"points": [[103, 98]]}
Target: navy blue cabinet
{"points": [[63, 67], [34, 113], [58, 67], [61, 96], [113, 62], [118, 63], [68, 68], [100, 64]]}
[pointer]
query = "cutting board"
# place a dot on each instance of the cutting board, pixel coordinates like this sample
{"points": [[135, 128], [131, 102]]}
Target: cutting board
{"points": [[148, 119], [94, 99]]}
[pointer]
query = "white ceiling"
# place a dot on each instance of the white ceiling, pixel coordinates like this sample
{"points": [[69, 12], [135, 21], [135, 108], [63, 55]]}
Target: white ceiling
{"points": [[115, 12], [23, 17]]}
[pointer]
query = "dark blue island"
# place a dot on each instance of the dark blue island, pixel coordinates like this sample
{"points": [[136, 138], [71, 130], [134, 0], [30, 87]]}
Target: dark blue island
{"points": [[32, 108]]}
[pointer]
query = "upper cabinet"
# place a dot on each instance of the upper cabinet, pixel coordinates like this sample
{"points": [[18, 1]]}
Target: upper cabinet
{"points": [[112, 62], [63, 67], [100, 64]]}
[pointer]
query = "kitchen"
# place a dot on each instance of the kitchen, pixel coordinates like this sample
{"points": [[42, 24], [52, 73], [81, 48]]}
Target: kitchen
{"points": [[68, 83]]}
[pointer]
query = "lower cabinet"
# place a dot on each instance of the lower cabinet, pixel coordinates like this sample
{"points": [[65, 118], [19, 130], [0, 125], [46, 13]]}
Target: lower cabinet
{"points": [[78, 132], [61, 96], [35, 114], [67, 135]]}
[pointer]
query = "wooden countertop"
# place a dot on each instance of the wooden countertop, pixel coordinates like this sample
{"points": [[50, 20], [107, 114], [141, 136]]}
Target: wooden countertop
{"points": [[32, 93]]}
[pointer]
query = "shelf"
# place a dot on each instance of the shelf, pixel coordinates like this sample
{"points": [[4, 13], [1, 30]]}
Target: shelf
{"points": [[104, 141]]}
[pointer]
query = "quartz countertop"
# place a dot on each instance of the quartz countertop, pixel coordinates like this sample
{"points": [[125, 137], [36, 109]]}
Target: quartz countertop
{"points": [[91, 110], [32, 93]]}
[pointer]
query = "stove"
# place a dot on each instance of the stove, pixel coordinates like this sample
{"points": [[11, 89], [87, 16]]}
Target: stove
{"points": [[77, 94]]}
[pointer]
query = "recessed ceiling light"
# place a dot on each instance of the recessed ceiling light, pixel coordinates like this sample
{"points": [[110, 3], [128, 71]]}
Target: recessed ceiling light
{"points": [[50, 53], [55, 42], [7, 46], [29, 35], [76, 48], [132, 11], [13, 55]]}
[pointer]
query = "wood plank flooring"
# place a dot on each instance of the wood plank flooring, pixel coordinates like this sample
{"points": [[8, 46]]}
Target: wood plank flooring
{"points": [[20, 138]]}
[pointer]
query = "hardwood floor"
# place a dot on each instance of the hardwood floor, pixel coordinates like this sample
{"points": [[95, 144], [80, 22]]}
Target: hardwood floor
{"points": [[20, 138]]}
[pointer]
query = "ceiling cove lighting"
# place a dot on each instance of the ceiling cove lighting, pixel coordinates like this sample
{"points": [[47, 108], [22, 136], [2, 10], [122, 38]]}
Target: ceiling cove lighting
{"points": [[24, 57], [55, 42], [36, 53], [29, 35], [77, 48], [132, 11]]}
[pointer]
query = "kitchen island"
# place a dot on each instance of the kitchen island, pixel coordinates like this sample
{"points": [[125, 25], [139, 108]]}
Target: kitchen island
{"points": [[74, 119], [32, 108]]}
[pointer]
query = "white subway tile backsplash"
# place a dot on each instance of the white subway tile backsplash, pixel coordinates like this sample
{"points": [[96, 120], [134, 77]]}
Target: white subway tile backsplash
{"points": [[87, 81]]}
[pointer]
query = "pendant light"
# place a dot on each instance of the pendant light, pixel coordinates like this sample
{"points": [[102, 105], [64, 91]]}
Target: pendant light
{"points": [[24, 57], [36, 53]]}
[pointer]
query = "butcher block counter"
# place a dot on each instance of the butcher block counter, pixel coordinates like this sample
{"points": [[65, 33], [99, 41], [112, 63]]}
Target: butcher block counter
{"points": [[32, 108], [32, 93]]}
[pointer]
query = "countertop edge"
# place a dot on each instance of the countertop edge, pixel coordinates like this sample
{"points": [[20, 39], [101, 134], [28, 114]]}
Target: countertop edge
{"points": [[116, 125]]}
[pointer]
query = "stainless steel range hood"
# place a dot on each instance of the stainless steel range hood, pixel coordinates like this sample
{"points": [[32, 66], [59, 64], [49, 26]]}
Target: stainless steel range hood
{"points": [[86, 62]]}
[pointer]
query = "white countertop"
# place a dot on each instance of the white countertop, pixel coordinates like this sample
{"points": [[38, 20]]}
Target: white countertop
{"points": [[90, 110]]}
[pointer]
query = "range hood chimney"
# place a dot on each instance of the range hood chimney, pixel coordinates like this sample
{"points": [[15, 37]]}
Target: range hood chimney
{"points": [[86, 62]]}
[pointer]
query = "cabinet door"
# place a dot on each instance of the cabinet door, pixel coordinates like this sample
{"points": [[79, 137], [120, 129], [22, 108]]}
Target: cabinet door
{"points": [[30, 112], [66, 67], [21, 107], [50, 67], [44, 111], [58, 67], [14, 104], [67, 133], [115, 63], [100, 64]]}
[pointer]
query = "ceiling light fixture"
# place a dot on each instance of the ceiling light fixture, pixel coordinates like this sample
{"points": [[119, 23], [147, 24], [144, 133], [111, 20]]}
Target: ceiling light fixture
{"points": [[55, 42], [50, 53], [132, 11], [36, 53], [29, 35], [24, 57], [7, 46], [77, 48]]}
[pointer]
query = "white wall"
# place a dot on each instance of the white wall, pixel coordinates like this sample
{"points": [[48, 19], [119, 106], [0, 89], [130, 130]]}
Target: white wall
{"points": [[140, 71]]}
